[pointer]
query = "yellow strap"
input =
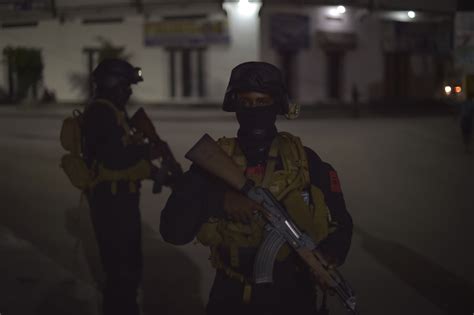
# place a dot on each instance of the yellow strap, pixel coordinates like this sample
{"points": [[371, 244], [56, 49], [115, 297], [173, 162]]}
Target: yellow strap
{"points": [[234, 256], [271, 164], [121, 121], [132, 187], [113, 187], [218, 264], [247, 293]]}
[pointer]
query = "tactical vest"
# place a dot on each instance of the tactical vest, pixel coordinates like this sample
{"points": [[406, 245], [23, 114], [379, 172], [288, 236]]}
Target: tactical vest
{"points": [[290, 185], [86, 178]]}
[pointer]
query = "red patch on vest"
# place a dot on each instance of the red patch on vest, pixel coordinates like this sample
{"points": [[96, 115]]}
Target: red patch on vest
{"points": [[255, 170], [334, 180]]}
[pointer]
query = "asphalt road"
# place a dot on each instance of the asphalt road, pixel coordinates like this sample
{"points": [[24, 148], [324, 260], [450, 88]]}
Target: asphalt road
{"points": [[407, 183]]}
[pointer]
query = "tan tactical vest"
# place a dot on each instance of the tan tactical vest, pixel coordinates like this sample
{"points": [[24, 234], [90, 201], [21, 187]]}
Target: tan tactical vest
{"points": [[75, 167], [137, 172], [291, 186]]}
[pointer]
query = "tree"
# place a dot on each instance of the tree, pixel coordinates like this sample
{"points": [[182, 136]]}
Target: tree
{"points": [[25, 67]]}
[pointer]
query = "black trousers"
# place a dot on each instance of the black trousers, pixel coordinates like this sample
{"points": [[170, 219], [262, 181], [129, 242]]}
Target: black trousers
{"points": [[116, 221], [285, 296]]}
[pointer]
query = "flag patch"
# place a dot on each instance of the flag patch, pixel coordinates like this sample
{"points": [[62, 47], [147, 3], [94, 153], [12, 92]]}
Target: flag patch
{"points": [[334, 181]]}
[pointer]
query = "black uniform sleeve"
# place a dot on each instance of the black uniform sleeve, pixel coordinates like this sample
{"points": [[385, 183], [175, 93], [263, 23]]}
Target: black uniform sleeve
{"points": [[323, 175], [196, 197], [104, 140]]}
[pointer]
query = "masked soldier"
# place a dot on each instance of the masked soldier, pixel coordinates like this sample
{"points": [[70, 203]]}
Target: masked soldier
{"points": [[204, 207], [119, 162]]}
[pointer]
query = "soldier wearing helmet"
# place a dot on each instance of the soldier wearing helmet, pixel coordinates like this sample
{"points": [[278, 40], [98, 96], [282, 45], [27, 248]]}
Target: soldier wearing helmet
{"points": [[223, 219], [119, 163]]}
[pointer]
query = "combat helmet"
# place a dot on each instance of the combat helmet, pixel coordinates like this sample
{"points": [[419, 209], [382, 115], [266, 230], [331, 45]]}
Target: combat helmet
{"points": [[111, 71], [259, 77]]}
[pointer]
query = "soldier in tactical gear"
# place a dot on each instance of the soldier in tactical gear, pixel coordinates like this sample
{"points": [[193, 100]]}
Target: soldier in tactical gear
{"points": [[203, 206], [119, 163]]}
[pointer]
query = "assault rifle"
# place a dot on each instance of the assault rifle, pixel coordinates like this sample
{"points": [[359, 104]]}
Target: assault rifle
{"points": [[171, 168], [280, 228]]}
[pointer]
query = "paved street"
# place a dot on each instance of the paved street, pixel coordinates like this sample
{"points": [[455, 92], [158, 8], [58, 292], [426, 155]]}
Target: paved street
{"points": [[407, 183]]}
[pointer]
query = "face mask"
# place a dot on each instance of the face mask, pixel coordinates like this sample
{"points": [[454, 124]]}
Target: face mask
{"points": [[257, 130], [257, 122], [119, 94]]}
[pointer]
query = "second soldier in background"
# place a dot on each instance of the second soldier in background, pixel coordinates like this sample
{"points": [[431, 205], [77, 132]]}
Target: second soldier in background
{"points": [[119, 160]]}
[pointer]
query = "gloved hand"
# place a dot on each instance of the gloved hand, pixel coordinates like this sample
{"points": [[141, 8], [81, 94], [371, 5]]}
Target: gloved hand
{"points": [[240, 208], [156, 151], [331, 262], [158, 175]]}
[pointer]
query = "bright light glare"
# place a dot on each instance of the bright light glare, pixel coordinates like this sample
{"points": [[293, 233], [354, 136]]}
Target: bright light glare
{"points": [[411, 14], [246, 8], [458, 89], [447, 90], [341, 9]]}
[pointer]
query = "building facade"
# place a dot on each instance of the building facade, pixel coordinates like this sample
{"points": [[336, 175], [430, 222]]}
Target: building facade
{"points": [[330, 52]]}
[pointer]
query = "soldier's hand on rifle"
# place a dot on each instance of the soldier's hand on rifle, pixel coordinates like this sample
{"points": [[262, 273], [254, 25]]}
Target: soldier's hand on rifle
{"points": [[240, 208], [331, 263], [156, 173]]}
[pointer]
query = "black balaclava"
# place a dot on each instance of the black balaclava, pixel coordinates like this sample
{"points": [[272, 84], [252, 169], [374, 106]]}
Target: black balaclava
{"points": [[118, 94], [256, 133]]}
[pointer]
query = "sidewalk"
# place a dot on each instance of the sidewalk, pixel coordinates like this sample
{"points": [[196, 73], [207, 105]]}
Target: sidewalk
{"points": [[213, 112], [57, 111], [32, 283]]}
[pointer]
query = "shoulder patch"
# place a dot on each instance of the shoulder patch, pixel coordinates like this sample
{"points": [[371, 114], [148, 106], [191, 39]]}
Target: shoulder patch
{"points": [[334, 182]]}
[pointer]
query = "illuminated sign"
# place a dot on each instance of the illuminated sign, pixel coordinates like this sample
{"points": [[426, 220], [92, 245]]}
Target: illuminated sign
{"points": [[186, 32]]}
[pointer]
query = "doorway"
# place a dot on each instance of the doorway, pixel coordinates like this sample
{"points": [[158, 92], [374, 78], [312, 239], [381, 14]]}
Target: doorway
{"points": [[334, 74]]}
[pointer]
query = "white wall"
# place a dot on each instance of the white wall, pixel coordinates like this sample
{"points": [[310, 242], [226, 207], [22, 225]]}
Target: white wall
{"points": [[62, 50], [435, 5], [363, 65], [60, 3], [245, 46]]}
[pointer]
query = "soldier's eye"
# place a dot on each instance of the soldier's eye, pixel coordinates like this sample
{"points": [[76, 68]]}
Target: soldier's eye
{"points": [[245, 102], [263, 101]]}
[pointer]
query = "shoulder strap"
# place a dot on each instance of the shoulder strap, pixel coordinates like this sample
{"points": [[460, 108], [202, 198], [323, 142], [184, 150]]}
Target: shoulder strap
{"points": [[121, 119], [272, 160], [297, 155]]}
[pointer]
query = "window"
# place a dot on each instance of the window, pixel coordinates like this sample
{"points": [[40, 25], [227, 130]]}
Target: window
{"points": [[186, 72]]}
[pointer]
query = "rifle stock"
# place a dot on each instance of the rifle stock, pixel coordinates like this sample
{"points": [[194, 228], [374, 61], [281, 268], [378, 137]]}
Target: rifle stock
{"points": [[142, 123], [207, 154]]}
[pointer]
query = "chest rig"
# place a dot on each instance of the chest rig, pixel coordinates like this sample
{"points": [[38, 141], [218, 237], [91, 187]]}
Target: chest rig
{"points": [[133, 174], [286, 175]]}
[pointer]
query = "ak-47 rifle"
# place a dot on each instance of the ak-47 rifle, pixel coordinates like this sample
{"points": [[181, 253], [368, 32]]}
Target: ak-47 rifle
{"points": [[171, 169], [280, 228]]}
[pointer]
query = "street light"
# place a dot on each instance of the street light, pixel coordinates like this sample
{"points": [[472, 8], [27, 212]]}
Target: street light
{"points": [[341, 9], [411, 14], [248, 9], [447, 90], [336, 12]]}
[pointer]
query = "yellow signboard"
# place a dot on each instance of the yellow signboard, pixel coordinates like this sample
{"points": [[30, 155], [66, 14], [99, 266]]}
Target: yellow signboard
{"points": [[186, 32]]}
